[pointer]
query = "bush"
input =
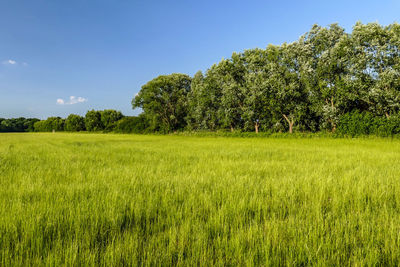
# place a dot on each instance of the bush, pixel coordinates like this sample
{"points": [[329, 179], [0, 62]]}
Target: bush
{"points": [[75, 123], [52, 123], [132, 124], [109, 118], [357, 124], [93, 121], [17, 125]]}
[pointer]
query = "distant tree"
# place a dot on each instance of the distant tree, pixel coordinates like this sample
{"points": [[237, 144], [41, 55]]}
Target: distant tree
{"points": [[6, 125], [57, 123], [52, 123], [195, 113], [93, 121], [324, 66], [375, 67], [257, 96], [289, 99], [109, 118], [231, 79], [204, 100], [28, 124], [311, 84], [41, 126], [132, 124], [16, 124], [164, 101], [75, 123]]}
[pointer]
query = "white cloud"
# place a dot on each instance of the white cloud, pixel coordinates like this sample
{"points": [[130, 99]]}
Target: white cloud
{"points": [[9, 62], [72, 100], [75, 100]]}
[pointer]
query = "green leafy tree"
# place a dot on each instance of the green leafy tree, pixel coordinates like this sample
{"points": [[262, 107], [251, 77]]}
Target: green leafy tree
{"points": [[164, 101], [376, 66], [17, 124], [310, 84], [289, 100], [109, 118], [28, 124], [132, 124], [204, 101], [231, 79], [324, 67], [93, 121], [195, 102], [49, 125], [75, 123], [257, 96]]}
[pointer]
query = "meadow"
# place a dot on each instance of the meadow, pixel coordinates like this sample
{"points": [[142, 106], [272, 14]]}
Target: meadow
{"points": [[110, 200]]}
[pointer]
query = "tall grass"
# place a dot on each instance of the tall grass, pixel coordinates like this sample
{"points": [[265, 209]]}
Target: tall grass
{"points": [[79, 199]]}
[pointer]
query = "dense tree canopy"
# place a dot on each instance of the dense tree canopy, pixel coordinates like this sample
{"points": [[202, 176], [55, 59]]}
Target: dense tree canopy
{"points": [[132, 124], [75, 123], [93, 121], [164, 101], [327, 80], [109, 118], [17, 125], [49, 125], [307, 85]]}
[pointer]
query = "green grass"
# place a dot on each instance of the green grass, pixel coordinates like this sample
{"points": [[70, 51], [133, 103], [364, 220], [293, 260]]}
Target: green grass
{"points": [[95, 199]]}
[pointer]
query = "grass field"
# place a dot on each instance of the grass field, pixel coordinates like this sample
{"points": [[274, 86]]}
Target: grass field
{"points": [[104, 199]]}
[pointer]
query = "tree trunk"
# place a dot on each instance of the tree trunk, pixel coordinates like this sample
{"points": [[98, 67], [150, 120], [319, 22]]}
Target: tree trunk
{"points": [[291, 127], [231, 128], [333, 124], [256, 125], [290, 122]]}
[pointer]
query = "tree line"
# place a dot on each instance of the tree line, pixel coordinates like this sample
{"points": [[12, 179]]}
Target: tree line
{"points": [[108, 120], [327, 80], [95, 120], [17, 124]]}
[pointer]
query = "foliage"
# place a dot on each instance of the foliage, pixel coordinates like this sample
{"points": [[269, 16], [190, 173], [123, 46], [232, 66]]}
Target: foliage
{"points": [[203, 101], [357, 124], [49, 125], [307, 85], [109, 118], [93, 121], [17, 124], [164, 101], [325, 80], [131, 124], [75, 123]]}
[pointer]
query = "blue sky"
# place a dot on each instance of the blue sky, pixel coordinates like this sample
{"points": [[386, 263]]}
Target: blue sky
{"points": [[59, 57]]}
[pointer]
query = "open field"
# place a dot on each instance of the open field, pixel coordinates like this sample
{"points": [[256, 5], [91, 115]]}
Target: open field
{"points": [[94, 199]]}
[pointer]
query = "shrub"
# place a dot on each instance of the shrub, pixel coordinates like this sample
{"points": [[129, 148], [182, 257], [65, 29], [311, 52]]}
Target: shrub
{"points": [[75, 123], [132, 124], [356, 124], [52, 123], [109, 118], [93, 121], [17, 125]]}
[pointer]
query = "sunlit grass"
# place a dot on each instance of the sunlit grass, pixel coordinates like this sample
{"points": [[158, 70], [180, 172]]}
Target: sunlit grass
{"points": [[97, 199]]}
